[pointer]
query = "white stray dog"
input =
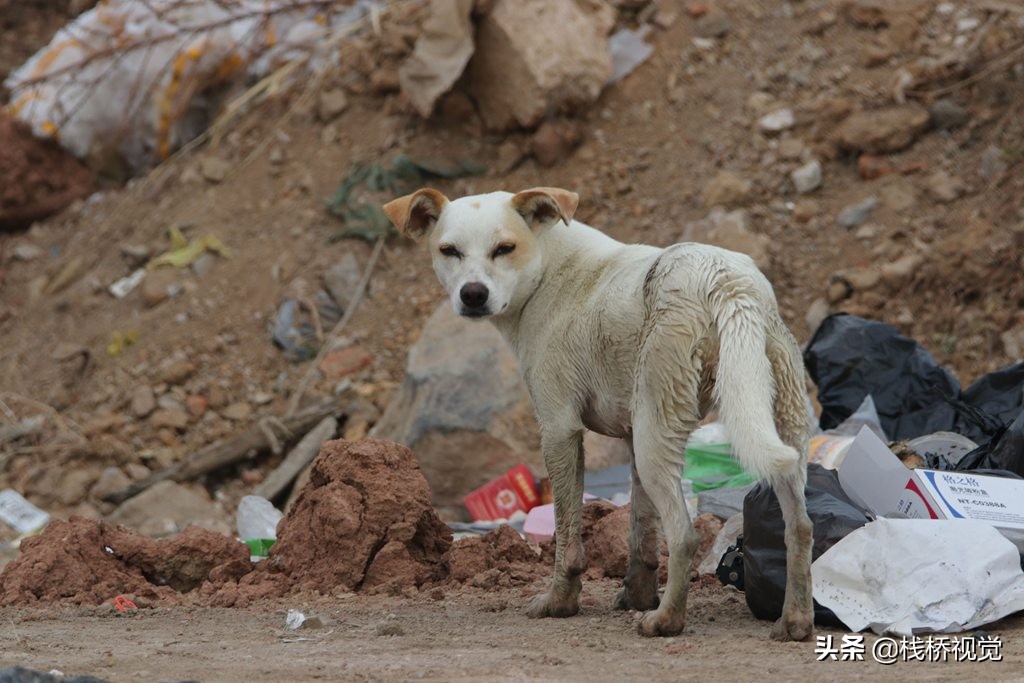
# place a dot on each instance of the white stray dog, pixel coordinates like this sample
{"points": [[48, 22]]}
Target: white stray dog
{"points": [[638, 343]]}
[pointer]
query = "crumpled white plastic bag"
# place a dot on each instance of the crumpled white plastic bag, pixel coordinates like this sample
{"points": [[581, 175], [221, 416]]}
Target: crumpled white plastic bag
{"points": [[132, 75], [910, 576]]}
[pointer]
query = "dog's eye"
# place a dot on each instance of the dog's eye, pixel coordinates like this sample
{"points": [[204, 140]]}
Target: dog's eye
{"points": [[503, 249], [449, 250]]}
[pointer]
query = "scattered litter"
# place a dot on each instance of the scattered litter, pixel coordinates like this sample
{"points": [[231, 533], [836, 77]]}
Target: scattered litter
{"points": [[119, 341], [1005, 451], [502, 497], [849, 358], [469, 529], [628, 51], [922, 577], [877, 481], [256, 521], [943, 450], [367, 221], [26, 426], [612, 483], [442, 51], [123, 604], [19, 514], [294, 620], [829, 447], [295, 340], [709, 460], [722, 502], [125, 285], [725, 539], [137, 78], [833, 514], [540, 521], [183, 253]]}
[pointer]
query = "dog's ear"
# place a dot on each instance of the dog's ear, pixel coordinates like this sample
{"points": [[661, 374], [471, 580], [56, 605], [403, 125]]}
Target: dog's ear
{"points": [[415, 214], [542, 206]]}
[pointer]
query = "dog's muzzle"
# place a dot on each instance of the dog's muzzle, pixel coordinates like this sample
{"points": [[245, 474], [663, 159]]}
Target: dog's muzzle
{"points": [[474, 299]]}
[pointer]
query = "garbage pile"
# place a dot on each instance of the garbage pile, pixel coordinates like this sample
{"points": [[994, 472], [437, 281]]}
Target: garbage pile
{"points": [[933, 516]]}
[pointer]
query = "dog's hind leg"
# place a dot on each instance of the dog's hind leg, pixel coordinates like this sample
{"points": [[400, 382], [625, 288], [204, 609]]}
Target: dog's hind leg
{"points": [[640, 588], [791, 422], [563, 457], [665, 412]]}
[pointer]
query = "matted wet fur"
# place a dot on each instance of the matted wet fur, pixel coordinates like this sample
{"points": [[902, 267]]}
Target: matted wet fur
{"points": [[637, 343]]}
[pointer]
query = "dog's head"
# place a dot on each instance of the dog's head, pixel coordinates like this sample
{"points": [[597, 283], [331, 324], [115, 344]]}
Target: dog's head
{"points": [[485, 248]]}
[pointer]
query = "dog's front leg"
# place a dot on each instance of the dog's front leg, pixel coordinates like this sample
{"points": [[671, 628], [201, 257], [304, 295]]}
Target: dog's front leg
{"points": [[563, 457]]}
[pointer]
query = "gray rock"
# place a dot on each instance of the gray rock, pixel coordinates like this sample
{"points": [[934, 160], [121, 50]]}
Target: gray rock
{"points": [[943, 187], [807, 178], [110, 480], [462, 407], [330, 104], [561, 57], [171, 418], [714, 24], [883, 130], [143, 402], [776, 121], [203, 264], [727, 189], [168, 507], [214, 169], [342, 279], [947, 114], [993, 163], [855, 214], [25, 251]]}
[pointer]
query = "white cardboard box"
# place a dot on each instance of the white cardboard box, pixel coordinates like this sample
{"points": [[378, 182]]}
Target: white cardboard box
{"points": [[876, 479]]}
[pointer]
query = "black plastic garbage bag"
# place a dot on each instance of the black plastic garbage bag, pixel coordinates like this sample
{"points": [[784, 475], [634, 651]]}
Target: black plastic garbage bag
{"points": [[850, 358], [999, 394], [1004, 452], [834, 516]]}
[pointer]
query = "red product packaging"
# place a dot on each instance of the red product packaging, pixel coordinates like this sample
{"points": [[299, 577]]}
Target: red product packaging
{"points": [[502, 497]]}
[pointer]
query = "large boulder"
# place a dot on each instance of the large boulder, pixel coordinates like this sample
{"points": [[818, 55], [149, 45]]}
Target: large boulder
{"points": [[463, 408], [534, 57]]}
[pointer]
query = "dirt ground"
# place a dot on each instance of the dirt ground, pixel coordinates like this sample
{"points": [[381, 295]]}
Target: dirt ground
{"points": [[468, 636]]}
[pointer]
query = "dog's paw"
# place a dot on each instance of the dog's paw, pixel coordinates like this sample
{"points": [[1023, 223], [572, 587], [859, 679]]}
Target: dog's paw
{"points": [[662, 622], [548, 604], [639, 595], [793, 627]]}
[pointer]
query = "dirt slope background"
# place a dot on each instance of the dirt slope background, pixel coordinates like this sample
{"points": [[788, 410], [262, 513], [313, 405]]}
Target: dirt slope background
{"points": [[939, 254]]}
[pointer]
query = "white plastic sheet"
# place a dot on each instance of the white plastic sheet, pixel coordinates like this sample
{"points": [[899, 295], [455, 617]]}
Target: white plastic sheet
{"points": [[134, 76], [910, 576]]}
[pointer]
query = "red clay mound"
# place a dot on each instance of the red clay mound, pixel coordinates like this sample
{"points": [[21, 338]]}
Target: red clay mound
{"points": [[606, 538], [500, 557], [37, 177], [364, 521], [86, 562]]}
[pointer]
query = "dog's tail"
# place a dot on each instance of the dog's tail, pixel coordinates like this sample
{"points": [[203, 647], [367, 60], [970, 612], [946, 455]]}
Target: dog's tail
{"points": [[745, 387]]}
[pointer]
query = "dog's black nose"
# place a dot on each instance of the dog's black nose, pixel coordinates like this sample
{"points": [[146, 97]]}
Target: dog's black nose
{"points": [[474, 294]]}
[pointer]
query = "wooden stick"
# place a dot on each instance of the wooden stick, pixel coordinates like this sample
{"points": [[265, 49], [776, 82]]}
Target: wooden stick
{"points": [[226, 451], [297, 459]]}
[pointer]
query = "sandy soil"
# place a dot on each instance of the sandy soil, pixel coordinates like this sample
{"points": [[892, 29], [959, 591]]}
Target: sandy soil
{"points": [[469, 636]]}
